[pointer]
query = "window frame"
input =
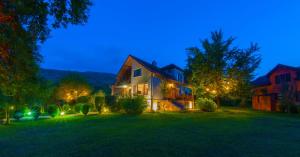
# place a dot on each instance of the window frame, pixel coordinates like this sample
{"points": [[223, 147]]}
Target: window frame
{"points": [[134, 72]]}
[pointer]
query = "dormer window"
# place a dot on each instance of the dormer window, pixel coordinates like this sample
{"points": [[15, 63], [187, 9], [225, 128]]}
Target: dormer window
{"points": [[283, 78], [137, 72]]}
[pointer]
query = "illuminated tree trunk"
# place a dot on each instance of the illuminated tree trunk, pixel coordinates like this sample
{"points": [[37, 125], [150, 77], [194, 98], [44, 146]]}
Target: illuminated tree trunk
{"points": [[218, 101]]}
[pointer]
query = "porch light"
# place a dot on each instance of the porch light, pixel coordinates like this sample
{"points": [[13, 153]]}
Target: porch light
{"points": [[170, 85]]}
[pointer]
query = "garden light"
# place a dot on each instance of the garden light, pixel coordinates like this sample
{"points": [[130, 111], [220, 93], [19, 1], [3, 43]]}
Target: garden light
{"points": [[29, 113], [62, 113]]}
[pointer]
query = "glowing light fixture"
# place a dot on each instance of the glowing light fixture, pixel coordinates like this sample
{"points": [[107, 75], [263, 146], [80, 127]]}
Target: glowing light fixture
{"points": [[12, 107], [29, 113], [214, 92], [62, 113], [190, 105], [154, 107]]}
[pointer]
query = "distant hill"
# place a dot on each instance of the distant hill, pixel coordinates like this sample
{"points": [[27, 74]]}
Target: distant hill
{"points": [[98, 80]]}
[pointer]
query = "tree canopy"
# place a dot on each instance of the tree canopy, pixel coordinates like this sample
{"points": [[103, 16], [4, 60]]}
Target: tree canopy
{"points": [[72, 87], [219, 69], [24, 24]]}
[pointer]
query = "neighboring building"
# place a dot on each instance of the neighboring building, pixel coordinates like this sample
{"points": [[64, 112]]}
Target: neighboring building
{"points": [[164, 88], [268, 89]]}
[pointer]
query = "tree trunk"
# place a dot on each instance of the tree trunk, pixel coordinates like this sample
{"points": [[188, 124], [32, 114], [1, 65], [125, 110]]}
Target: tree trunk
{"points": [[7, 116], [218, 101]]}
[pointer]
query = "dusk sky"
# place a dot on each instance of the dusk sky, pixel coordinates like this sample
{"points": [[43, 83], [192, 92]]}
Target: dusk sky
{"points": [[161, 30]]}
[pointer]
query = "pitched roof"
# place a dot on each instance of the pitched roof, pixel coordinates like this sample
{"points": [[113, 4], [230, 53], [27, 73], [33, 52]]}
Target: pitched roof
{"points": [[171, 66], [154, 68], [283, 66], [261, 81], [264, 80]]}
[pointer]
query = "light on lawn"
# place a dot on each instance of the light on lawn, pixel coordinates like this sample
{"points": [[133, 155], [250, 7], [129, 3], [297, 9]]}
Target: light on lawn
{"points": [[29, 113], [105, 109], [62, 113], [12, 107]]}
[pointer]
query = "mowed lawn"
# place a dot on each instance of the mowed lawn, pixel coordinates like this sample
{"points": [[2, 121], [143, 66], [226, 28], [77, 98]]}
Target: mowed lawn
{"points": [[230, 133]]}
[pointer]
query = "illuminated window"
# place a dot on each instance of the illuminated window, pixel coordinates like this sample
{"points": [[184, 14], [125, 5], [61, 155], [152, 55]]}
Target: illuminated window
{"points": [[146, 89], [142, 89]]}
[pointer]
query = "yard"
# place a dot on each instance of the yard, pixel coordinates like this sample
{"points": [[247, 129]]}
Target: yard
{"points": [[232, 132]]}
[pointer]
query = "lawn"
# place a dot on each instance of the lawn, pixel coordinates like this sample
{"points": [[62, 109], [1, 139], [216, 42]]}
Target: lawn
{"points": [[229, 133]]}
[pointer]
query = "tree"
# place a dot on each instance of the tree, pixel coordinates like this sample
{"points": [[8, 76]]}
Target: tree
{"points": [[219, 69], [99, 100], [72, 87], [24, 24]]}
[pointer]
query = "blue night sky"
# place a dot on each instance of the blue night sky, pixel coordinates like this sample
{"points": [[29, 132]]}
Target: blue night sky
{"points": [[161, 30]]}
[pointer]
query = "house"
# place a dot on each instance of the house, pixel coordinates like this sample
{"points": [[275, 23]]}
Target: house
{"points": [[164, 88], [269, 89]]}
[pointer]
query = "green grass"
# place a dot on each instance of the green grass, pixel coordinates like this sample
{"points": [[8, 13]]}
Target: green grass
{"points": [[229, 133]]}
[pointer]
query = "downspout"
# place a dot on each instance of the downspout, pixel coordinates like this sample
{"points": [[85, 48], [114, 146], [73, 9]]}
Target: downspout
{"points": [[151, 93]]}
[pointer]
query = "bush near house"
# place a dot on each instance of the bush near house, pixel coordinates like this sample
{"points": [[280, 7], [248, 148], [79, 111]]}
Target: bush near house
{"points": [[53, 110], [206, 105], [133, 106], [67, 108], [85, 109], [19, 113], [77, 107], [99, 103], [112, 104], [36, 111]]}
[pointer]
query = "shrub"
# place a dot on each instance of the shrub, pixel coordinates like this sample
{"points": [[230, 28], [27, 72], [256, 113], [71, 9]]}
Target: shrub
{"points": [[99, 103], [67, 108], [85, 109], [53, 110], [83, 99], [36, 111], [77, 108], [19, 113], [206, 105], [293, 109], [112, 104], [133, 106]]}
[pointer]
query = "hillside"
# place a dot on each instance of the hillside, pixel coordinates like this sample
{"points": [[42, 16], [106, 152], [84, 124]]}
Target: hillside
{"points": [[97, 79]]}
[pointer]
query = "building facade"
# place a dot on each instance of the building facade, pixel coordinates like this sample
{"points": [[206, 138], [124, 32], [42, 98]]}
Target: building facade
{"points": [[281, 81], [164, 88]]}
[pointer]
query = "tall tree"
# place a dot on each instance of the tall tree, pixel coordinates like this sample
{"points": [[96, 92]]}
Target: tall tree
{"points": [[219, 69], [24, 24], [72, 87]]}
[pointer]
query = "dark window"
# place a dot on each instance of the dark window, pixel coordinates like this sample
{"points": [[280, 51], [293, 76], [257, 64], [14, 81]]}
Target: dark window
{"points": [[298, 96], [137, 72], [298, 76], [283, 78], [277, 79], [288, 77]]}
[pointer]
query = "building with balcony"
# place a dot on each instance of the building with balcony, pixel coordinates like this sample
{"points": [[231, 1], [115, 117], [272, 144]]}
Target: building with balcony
{"points": [[164, 88]]}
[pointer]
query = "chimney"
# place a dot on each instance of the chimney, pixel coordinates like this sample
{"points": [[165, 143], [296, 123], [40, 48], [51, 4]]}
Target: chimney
{"points": [[154, 63]]}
